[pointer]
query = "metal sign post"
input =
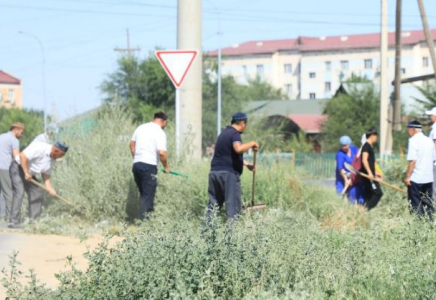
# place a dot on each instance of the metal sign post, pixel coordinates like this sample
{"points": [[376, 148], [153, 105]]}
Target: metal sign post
{"points": [[176, 64]]}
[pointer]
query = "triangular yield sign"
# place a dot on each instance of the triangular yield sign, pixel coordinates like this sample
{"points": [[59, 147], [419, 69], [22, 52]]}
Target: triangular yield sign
{"points": [[176, 63]]}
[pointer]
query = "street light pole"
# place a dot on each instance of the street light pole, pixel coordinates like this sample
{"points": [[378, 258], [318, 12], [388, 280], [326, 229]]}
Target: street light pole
{"points": [[43, 74]]}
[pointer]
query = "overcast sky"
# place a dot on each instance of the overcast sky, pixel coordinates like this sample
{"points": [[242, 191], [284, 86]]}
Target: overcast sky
{"points": [[79, 35]]}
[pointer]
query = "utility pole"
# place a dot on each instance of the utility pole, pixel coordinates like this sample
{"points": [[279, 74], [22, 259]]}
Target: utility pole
{"points": [[44, 94], [385, 131], [397, 89], [128, 49], [428, 36], [189, 29]]}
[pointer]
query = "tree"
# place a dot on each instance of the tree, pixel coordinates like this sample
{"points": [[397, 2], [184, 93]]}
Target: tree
{"points": [[428, 90], [33, 120], [140, 85], [143, 87], [350, 114]]}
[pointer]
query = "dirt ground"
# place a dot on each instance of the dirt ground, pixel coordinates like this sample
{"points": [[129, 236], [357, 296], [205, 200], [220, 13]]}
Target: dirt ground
{"points": [[46, 254]]}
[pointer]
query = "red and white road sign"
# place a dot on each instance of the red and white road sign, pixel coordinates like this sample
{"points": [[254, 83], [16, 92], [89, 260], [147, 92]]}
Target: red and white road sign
{"points": [[176, 63]]}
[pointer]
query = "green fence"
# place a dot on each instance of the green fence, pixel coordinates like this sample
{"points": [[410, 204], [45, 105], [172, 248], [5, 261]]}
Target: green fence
{"points": [[319, 165]]}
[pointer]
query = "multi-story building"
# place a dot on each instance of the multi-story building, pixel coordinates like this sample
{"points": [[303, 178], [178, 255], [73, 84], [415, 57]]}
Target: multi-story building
{"points": [[314, 67], [10, 91]]}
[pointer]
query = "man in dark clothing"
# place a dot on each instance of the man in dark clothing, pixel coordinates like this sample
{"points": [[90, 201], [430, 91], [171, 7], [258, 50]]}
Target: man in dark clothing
{"points": [[226, 167], [373, 192]]}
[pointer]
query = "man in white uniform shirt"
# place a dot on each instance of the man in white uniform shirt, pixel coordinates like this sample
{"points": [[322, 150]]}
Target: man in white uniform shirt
{"points": [[37, 158], [149, 146], [432, 136], [419, 176]]}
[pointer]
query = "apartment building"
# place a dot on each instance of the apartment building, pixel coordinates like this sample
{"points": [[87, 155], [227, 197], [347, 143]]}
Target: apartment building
{"points": [[314, 67], [10, 91]]}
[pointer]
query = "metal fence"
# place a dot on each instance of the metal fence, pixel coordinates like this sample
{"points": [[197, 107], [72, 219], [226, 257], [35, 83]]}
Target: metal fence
{"points": [[319, 165]]}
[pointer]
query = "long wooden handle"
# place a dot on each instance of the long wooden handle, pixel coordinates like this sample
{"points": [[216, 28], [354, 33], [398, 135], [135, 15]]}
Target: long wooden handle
{"points": [[384, 183], [56, 196], [254, 178]]}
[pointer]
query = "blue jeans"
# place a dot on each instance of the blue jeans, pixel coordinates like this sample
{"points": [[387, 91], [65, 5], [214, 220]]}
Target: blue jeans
{"points": [[146, 181]]}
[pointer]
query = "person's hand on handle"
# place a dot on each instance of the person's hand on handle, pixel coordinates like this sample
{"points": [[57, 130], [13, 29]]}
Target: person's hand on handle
{"points": [[28, 176], [51, 192], [167, 170], [407, 181], [251, 167], [255, 145]]}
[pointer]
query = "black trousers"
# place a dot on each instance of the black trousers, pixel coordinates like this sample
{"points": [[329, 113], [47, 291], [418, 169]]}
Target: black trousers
{"points": [[421, 199], [373, 193], [224, 188], [145, 178]]}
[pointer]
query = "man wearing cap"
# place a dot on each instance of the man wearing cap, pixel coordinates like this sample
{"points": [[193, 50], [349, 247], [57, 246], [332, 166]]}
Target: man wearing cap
{"points": [[37, 158], [432, 136], [419, 176], [346, 154], [149, 146], [226, 167], [9, 148], [372, 189]]}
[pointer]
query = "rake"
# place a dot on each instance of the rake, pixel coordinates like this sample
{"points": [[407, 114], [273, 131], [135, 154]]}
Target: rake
{"points": [[352, 170], [253, 188]]}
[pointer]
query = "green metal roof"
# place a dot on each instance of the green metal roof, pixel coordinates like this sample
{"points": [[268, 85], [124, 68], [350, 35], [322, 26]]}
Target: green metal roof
{"points": [[286, 107]]}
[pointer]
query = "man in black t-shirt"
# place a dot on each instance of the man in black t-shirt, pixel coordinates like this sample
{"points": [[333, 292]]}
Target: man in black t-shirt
{"points": [[373, 192], [226, 167]]}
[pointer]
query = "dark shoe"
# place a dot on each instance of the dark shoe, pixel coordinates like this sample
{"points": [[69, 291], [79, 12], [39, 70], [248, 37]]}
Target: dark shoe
{"points": [[15, 226]]}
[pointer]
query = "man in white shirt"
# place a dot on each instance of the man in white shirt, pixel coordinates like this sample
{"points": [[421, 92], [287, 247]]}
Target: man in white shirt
{"points": [[149, 146], [9, 148], [432, 136], [37, 158], [419, 176]]}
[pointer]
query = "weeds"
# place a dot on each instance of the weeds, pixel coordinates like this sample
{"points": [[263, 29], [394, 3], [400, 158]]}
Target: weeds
{"points": [[308, 243]]}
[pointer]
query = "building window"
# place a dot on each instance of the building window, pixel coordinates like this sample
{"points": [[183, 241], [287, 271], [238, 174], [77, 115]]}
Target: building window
{"points": [[403, 70], [11, 96], [245, 71], [328, 65], [288, 68], [259, 70], [368, 63], [425, 61], [312, 96], [328, 86], [312, 75], [288, 89], [344, 64]]}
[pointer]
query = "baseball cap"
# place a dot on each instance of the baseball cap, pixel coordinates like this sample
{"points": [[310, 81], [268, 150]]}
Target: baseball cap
{"points": [[414, 124], [431, 112], [239, 116], [345, 140]]}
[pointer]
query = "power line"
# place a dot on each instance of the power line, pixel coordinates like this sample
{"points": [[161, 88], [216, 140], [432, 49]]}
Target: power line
{"points": [[129, 50]]}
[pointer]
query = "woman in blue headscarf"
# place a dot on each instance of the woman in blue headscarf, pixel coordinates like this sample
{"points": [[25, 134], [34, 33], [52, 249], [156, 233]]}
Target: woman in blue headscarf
{"points": [[346, 154]]}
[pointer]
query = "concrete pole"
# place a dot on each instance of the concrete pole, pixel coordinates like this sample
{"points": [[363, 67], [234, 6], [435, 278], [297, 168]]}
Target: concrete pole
{"points": [[44, 94], [385, 130], [428, 35], [189, 28], [397, 90], [219, 104]]}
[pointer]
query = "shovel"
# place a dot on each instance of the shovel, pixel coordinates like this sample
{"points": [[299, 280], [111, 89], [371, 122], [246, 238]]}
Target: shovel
{"points": [[253, 187], [55, 196], [352, 170]]}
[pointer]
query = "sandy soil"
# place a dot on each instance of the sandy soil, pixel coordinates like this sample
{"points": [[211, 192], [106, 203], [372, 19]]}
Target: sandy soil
{"points": [[46, 254]]}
